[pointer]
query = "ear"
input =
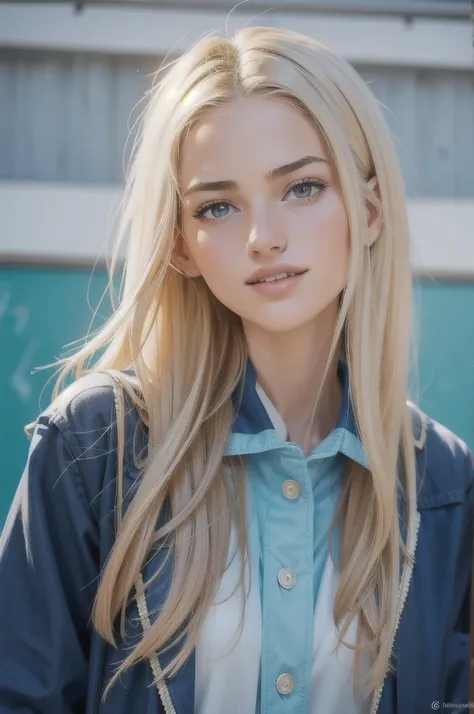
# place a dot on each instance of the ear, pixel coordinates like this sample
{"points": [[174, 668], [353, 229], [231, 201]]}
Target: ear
{"points": [[182, 258], [374, 211]]}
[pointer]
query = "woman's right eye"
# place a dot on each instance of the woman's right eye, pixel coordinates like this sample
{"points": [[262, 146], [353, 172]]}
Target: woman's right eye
{"points": [[206, 207]]}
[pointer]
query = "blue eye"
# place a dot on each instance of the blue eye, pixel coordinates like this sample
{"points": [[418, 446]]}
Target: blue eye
{"points": [[210, 206], [306, 184]]}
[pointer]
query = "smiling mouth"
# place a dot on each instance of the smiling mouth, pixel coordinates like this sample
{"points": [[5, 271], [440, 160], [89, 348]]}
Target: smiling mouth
{"points": [[275, 278]]}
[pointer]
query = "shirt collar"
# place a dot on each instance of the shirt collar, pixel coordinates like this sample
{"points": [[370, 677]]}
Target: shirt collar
{"points": [[254, 430]]}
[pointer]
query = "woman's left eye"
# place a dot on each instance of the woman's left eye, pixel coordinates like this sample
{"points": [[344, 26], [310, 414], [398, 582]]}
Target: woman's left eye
{"points": [[302, 189]]}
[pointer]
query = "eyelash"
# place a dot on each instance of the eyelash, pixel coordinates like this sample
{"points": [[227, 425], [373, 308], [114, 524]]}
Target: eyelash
{"points": [[199, 212]]}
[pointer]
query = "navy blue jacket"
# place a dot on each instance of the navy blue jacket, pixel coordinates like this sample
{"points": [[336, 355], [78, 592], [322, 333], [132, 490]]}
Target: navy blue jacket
{"points": [[52, 662]]}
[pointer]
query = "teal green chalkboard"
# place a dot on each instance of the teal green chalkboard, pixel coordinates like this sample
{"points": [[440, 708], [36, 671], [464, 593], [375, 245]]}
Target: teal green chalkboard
{"points": [[42, 310], [445, 314]]}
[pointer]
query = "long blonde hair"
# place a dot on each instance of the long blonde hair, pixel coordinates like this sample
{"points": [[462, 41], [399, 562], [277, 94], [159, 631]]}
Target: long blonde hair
{"points": [[189, 353]]}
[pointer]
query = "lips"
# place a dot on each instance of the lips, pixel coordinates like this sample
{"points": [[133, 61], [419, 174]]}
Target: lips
{"points": [[277, 270], [276, 278]]}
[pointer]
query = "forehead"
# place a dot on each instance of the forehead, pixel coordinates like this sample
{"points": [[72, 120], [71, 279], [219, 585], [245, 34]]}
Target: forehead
{"points": [[253, 134]]}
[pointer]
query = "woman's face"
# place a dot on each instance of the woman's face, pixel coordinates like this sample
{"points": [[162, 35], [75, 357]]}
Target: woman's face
{"points": [[268, 214]]}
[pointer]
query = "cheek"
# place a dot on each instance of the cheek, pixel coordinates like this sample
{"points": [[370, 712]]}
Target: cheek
{"points": [[331, 240], [202, 246], [218, 258], [213, 255]]}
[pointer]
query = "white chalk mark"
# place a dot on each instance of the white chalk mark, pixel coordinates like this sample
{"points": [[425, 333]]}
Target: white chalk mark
{"points": [[19, 379], [22, 315], [4, 301]]}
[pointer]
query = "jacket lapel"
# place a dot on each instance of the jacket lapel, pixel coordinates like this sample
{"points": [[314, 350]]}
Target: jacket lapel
{"points": [[176, 694], [398, 687]]}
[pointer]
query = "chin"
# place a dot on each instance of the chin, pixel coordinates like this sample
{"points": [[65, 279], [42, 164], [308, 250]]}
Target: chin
{"points": [[278, 324]]}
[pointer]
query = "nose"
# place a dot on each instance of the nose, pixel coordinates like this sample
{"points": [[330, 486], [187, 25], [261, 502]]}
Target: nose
{"points": [[264, 239]]}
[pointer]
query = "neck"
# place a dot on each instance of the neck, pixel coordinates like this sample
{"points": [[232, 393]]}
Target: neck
{"points": [[290, 368]]}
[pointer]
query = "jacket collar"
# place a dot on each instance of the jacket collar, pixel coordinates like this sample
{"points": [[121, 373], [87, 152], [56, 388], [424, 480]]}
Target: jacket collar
{"points": [[253, 431], [251, 417]]}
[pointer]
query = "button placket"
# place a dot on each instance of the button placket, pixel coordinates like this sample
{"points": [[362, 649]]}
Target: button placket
{"points": [[292, 481]]}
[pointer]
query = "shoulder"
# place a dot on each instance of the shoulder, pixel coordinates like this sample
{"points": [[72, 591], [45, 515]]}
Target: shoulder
{"points": [[445, 463], [85, 413], [84, 417]]}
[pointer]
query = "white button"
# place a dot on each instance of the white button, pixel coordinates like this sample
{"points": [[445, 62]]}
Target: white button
{"points": [[285, 683], [291, 489], [287, 578]]}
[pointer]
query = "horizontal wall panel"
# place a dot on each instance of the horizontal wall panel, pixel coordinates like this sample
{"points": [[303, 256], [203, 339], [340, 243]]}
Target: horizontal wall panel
{"points": [[70, 117], [42, 221], [395, 40], [67, 117], [431, 115]]}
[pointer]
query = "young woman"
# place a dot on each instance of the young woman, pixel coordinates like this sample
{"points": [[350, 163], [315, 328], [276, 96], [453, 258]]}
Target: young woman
{"points": [[234, 509]]}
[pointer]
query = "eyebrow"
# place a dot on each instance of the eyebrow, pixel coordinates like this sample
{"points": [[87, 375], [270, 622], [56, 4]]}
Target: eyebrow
{"points": [[270, 176]]}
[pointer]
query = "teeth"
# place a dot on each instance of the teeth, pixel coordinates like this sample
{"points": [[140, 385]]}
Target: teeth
{"points": [[280, 276]]}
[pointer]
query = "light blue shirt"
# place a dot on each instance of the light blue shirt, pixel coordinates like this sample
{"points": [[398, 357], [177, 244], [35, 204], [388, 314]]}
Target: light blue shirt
{"points": [[293, 536]]}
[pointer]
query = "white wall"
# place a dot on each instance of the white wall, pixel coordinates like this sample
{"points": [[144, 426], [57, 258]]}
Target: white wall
{"points": [[59, 222], [361, 39], [62, 222]]}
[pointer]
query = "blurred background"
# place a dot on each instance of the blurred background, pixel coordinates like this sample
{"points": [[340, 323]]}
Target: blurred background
{"points": [[72, 75]]}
